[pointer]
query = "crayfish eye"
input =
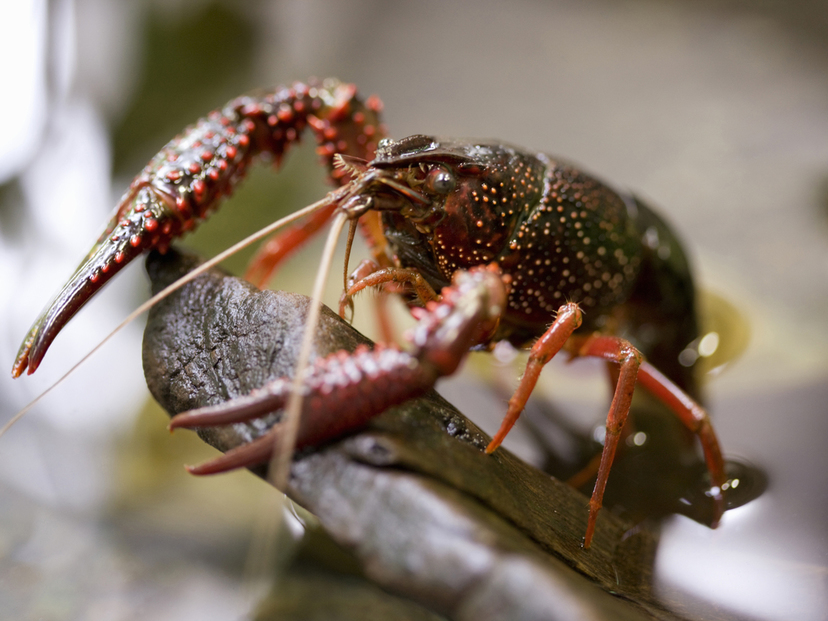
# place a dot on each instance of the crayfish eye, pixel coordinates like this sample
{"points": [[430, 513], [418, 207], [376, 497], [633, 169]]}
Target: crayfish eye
{"points": [[440, 180]]}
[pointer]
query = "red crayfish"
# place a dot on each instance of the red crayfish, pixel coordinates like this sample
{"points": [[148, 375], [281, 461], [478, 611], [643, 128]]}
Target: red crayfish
{"points": [[521, 246]]}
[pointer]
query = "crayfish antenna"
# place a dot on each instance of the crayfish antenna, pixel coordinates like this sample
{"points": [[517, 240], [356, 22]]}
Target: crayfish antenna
{"points": [[282, 455]]}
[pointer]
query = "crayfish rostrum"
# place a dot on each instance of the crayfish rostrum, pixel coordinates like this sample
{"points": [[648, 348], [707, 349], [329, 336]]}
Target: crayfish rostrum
{"points": [[486, 242]]}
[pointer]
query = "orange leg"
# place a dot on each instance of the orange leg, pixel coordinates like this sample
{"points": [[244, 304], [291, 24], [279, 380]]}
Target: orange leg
{"points": [[370, 274], [366, 268], [591, 469], [632, 368], [282, 245], [371, 226], [566, 322], [694, 417], [629, 360]]}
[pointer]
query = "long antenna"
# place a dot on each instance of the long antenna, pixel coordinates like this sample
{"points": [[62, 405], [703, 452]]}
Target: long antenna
{"points": [[266, 530], [282, 456]]}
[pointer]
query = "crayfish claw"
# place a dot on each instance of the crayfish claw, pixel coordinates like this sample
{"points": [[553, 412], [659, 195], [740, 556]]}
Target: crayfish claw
{"points": [[146, 222], [253, 453], [188, 178]]}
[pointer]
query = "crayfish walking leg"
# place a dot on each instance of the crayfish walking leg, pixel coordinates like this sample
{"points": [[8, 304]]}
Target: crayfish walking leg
{"points": [[632, 369]]}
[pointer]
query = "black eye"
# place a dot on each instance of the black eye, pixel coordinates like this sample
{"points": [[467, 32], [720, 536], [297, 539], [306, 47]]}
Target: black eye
{"points": [[440, 180]]}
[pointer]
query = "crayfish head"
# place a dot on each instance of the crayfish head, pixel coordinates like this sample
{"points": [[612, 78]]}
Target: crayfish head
{"points": [[473, 194], [415, 178]]}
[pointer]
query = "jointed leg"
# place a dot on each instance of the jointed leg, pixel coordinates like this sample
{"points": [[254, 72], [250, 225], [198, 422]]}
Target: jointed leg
{"points": [[629, 360], [632, 369], [566, 322], [282, 245], [365, 269], [696, 420], [385, 325], [590, 471], [370, 274]]}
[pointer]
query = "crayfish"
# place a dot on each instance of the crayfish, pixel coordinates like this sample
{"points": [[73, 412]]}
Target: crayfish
{"points": [[486, 242]]}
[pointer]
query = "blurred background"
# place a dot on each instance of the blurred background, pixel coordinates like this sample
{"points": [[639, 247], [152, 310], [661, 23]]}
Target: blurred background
{"points": [[717, 112]]}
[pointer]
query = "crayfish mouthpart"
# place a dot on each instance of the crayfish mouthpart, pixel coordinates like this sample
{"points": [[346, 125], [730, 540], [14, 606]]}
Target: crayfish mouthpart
{"points": [[350, 164]]}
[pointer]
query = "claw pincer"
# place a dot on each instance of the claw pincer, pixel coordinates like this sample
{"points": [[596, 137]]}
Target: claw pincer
{"points": [[345, 390], [188, 178]]}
